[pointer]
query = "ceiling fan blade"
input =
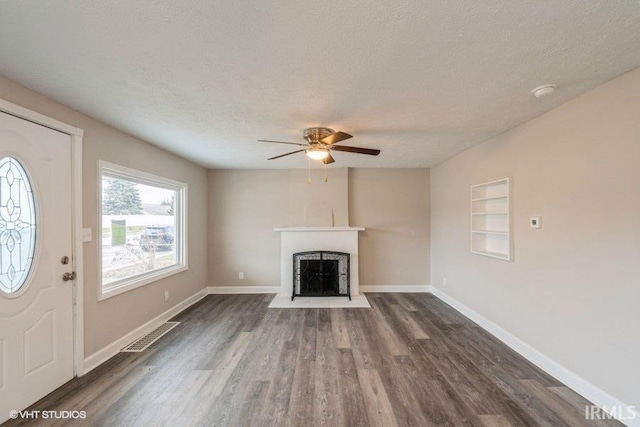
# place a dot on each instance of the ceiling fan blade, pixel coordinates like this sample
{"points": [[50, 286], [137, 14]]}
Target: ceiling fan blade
{"points": [[358, 150], [287, 154], [328, 160], [334, 138], [282, 142]]}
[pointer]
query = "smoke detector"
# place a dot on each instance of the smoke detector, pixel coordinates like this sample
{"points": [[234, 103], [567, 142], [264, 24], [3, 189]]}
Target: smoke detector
{"points": [[544, 90]]}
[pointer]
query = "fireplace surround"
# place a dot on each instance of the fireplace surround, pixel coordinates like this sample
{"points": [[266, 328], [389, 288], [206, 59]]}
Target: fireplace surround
{"points": [[306, 239], [321, 274]]}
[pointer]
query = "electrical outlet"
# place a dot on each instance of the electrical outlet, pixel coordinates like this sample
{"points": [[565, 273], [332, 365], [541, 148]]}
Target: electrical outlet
{"points": [[166, 295], [241, 275], [444, 281]]}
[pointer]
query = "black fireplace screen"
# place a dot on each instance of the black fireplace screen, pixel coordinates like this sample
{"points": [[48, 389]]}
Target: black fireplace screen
{"points": [[321, 274]]}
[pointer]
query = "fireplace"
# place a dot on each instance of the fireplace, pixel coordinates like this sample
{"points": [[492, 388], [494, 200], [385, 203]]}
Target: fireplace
{"points": [[321, 274], [313, 239]]}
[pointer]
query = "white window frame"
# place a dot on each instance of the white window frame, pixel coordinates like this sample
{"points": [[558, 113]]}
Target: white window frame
{"points": [[113, 170]]}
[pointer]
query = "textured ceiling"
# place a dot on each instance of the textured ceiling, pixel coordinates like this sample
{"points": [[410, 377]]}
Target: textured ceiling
{"points": [[420, 80]]}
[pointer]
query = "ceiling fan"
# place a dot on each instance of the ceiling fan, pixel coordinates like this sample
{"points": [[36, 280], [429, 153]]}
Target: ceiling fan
{"points": [[320, 143]]}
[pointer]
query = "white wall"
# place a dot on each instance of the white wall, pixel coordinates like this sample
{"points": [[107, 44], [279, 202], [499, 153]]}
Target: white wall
{"points": [[573, 291]]}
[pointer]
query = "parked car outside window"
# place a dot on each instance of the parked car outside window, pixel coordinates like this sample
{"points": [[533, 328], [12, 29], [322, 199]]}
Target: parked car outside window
{"points": [[157, 237]]}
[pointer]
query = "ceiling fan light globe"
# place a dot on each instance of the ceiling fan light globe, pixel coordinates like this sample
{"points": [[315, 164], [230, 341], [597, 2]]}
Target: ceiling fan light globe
{"points": [[317, 154]]}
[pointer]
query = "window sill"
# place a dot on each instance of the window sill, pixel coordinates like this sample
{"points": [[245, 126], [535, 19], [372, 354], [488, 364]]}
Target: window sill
{"points": [[134, 283]]}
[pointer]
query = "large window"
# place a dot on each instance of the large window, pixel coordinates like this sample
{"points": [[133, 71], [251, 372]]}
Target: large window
{"points": [[142, 228]]}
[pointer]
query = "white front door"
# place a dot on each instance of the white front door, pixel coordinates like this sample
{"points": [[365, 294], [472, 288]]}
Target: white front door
{"points": [[36, 304]]}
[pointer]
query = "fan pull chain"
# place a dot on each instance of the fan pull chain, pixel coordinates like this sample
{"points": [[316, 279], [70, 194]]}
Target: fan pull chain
{"points": [[326, 176], [309, 178]]}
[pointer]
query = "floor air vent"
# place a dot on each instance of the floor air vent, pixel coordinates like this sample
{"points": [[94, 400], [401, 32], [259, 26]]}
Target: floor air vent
{"points": [[142, 343]]}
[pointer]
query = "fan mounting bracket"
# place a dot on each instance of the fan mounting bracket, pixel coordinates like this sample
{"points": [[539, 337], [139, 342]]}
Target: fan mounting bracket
{"points": [[314, 135]]}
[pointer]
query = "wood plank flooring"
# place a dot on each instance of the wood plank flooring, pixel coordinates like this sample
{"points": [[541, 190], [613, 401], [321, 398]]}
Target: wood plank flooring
{"points": [[410, 360]]}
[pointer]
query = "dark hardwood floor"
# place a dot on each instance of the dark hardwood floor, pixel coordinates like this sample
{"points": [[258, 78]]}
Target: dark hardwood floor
{"points": [[410, 360]]}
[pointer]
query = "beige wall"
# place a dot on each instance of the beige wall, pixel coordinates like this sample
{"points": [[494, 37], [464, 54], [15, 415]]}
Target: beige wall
{"points": [[319, 204], [393, 206], [573, 290], [111, 319], [246, 205]]}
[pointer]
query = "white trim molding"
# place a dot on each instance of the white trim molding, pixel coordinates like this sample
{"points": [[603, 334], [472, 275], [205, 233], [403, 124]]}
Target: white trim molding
{"points": [[223, 290], [583, 387], [307, 229], [399, 289], [78, 254], [32, 116], [101, 356]]}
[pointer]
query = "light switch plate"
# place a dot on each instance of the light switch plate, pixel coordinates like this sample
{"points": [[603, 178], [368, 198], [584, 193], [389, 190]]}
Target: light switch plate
{"points": [[536, 222], [86, 235]]}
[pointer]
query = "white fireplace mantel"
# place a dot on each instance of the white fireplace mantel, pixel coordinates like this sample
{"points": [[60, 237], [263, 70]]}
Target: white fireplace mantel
{"points": [[311, 229], [302, 239]]}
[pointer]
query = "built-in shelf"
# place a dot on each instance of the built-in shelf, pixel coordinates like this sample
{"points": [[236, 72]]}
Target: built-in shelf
{"points": [[489, 232], [491, 226], [498, 255], [490, 213], [481, 199]]}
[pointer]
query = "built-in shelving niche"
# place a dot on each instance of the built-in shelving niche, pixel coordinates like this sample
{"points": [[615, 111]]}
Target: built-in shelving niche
{"points": [[491, 223]]}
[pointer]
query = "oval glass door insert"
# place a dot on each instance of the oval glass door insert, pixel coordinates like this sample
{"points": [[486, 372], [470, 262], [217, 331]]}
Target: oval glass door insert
{"points": [[18, 225]]}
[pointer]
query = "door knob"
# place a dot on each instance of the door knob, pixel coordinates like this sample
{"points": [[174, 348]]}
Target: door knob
{"points": [[69, 276]]}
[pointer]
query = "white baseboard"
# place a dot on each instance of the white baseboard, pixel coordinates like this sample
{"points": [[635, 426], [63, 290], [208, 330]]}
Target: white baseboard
{"points": [[403, 289], [276, 289], [243, 289], [101, 356], [583, 387]]}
